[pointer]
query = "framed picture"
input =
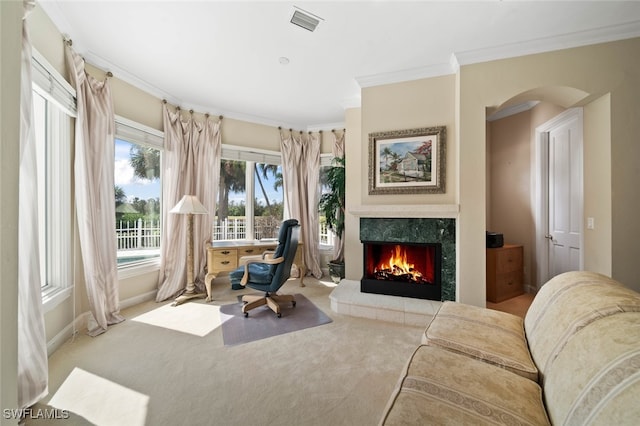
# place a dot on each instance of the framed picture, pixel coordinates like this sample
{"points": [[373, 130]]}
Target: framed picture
{"points": [[407, 161]]}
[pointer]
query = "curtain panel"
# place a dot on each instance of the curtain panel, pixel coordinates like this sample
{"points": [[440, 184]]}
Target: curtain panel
{"points": [[32, 345], [94, 193], [301, 173], [191, 166]]}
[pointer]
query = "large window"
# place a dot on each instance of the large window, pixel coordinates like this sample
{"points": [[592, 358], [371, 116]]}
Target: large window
{"points": [[52, 111], [326, 235], [137, 183], [250, 196]]}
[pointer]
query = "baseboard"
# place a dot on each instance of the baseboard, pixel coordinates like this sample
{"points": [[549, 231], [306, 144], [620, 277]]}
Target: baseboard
{"points": [[80, 323], [132, 301]]}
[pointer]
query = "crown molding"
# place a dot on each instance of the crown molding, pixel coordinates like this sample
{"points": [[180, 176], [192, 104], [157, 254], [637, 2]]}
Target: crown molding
{"points": [[549, 44], [509, 50], [429, 71]]}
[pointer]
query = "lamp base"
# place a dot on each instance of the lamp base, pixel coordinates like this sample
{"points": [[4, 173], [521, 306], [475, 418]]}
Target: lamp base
{"points": [[185, 297]]}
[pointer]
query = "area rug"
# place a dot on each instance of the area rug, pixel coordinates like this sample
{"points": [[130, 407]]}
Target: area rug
{"points": [[262, 322]]}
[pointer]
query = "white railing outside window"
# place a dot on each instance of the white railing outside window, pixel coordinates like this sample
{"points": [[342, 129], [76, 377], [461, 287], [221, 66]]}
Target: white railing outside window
{"points": [[137, 241], [235, 228], [138, 234]]}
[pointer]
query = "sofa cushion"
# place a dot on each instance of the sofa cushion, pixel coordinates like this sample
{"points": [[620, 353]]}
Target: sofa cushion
{"points": [[595, 379], [442, 387], [488, 335], [568, 303]]}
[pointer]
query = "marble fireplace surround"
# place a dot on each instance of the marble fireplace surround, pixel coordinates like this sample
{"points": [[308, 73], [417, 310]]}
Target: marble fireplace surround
{"points": [[402, 223]]}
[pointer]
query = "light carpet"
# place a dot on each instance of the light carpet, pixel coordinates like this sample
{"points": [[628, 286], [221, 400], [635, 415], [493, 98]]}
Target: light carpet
{"points": [[262, 322], [341, 373]]}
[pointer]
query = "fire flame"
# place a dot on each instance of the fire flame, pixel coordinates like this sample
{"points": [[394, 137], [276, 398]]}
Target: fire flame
{"points": [[398, 265]]}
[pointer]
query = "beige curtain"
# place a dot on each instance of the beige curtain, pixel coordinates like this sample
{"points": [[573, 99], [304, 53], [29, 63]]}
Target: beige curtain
{"points": [[191, 166], [32, 344], [338, 152], [337, 148], [94, 193], [301, 173]]}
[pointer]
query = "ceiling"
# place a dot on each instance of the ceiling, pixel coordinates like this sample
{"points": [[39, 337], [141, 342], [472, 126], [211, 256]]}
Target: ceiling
{"points": [[224, 57]]}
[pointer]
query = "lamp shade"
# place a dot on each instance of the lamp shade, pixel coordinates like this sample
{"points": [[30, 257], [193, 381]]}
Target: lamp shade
{"points": [[189, 204]]}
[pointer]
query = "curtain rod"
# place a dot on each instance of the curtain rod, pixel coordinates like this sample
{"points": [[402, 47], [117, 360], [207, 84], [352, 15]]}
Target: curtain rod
{"points": [[191, 111]]}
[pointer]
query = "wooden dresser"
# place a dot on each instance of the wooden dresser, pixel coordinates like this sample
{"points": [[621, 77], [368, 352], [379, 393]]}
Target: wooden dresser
{"points": [[505, 272], [224, 256]]}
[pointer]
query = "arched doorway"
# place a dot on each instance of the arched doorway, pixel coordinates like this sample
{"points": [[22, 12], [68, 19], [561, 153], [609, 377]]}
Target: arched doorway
{"points": [[517, 174]]}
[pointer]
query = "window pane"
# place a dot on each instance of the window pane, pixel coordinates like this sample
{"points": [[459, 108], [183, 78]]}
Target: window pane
{"points": [[268, 200], [40, 130], [326, 235], [230, 222], [53, 142], [137, 197], [250, 201]]}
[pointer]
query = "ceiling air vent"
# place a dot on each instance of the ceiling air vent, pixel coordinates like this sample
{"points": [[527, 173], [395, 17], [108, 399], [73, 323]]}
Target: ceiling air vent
{"points": [[305, 19]]}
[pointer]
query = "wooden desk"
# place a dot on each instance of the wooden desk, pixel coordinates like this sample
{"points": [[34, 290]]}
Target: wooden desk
{"points": [[224, 256]]}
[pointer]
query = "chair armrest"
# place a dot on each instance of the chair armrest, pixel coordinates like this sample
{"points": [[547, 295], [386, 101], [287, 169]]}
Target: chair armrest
{"points": [[268, 254], [271, 261]]}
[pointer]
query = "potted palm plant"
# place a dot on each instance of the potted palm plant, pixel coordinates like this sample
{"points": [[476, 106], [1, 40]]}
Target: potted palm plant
{"points": [[332, 206]]}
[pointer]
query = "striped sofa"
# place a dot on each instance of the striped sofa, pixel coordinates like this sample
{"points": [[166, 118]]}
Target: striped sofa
{"points": [[573, 360]]}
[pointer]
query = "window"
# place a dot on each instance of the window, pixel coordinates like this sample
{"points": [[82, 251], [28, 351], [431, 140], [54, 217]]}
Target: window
{"points": [[137, 184], [250, 196], [53, 108], [326, 235]]}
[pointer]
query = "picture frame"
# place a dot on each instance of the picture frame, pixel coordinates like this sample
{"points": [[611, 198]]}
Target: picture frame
{"points": [[408, 161]]}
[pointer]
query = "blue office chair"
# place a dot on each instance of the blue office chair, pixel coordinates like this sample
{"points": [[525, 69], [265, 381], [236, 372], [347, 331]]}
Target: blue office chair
{"points": [[270, 272]]}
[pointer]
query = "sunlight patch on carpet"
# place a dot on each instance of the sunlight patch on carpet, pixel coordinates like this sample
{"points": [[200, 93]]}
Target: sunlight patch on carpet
{"points": [[100, 401], [192, 318]]}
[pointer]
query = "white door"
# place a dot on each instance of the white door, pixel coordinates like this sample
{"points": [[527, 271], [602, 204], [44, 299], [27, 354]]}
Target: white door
{"points": [[564, 233]]}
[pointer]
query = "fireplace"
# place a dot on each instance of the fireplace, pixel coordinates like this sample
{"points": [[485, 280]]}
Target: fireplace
{"points": [[402, 269], [415, 232]]}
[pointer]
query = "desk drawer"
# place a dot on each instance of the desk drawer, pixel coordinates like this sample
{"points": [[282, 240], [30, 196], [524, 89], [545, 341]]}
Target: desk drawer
{"points": [[253, 251], [224, 260]]}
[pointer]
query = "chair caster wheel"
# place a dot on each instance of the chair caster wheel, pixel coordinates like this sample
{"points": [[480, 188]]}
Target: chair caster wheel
{"points": [[279, 315], [246, 314], [293, 303]]}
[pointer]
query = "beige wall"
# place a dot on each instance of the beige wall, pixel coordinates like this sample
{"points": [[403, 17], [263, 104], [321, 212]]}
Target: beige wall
{"points": [[10, 48], [597, 186], [414, 104], [355, 161], [409, 105], [611, 68]]}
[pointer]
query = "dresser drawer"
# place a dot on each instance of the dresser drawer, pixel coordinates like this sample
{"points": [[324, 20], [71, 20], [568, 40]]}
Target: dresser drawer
{"points": [[508, 285], [508, 260], [505, 272]]}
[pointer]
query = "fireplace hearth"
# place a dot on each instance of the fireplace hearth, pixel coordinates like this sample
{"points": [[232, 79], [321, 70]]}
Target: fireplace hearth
{"points": [[402, 269]]}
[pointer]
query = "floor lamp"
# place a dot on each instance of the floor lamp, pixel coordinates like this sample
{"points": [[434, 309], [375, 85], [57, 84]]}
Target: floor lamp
{"points": [[189, 205]]}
